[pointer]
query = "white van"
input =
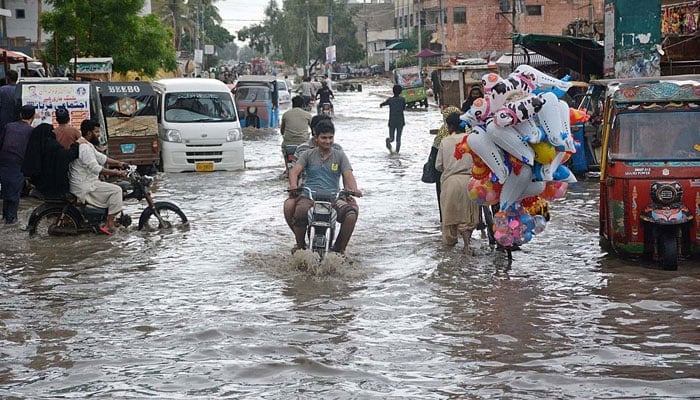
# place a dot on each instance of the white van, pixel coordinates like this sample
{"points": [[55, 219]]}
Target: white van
{"points": [[198, 128]]}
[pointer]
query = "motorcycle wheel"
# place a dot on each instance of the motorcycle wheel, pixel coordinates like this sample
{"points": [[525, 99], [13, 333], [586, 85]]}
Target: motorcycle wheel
{"points": [[668, 247], [171, 215], [319, 242], [50, 223]]}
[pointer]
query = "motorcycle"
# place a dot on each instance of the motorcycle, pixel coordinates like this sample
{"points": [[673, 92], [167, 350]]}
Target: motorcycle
{"points": [[67, 216], [322, 217], [326, 109]]}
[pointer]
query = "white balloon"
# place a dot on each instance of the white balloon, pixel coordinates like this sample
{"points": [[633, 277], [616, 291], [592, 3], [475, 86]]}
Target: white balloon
{"points": [[569, 146], [529, 131], [550, 119], [542, 80], [482, 145], [515, 186], [511, 142]]}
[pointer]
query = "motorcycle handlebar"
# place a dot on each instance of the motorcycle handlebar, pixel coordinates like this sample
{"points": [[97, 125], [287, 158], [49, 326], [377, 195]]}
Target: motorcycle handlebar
{"points": [[340, 193]]}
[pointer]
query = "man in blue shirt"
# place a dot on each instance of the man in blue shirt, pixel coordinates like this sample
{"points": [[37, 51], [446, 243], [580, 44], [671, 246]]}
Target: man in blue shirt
{"points": [[13, 144], [323, 166]]}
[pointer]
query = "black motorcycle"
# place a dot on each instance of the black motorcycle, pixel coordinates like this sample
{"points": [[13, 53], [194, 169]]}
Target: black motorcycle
{"points": [[67, 216]]}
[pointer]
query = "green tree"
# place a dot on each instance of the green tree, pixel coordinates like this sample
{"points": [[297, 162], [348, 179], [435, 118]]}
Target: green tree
{"points": [[284, 31], [108, 28]]}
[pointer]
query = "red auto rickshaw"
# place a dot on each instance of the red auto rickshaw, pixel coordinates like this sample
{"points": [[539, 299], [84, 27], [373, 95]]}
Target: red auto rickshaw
{"points": [[650, 168]]}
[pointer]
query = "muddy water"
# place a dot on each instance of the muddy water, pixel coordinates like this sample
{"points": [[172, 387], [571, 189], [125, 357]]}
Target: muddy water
{"points": [[223, 310]]}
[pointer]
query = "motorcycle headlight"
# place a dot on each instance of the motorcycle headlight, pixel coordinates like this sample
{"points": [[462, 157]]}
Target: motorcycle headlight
{"points": [[234, 135], [172, 135], [666, 192]]}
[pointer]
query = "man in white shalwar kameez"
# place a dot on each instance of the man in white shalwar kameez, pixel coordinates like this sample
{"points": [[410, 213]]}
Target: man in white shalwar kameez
{"points": [[85, 173]]}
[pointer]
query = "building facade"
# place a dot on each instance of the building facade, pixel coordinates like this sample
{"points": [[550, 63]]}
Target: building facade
{"points": [[479, 27]]}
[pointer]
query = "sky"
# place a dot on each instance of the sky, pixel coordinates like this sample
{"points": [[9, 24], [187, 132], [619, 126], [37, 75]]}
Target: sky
{"points": [[239, 13]]}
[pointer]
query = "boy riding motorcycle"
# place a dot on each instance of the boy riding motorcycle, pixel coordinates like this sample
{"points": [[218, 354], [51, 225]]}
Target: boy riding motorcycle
{"points": [[323, 166]]}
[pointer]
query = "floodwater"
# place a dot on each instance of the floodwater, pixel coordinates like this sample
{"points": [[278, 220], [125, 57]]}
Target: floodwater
{"points": [[223, 310]]}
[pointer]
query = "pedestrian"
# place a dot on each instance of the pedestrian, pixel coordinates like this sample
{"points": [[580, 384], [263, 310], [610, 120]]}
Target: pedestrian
{"points": [[460, 215], [8, 108], [65, 133], [295, 124], [46, 161], [474, 93], [13, 144], [442, 133], [396, 120], [435, 77]]}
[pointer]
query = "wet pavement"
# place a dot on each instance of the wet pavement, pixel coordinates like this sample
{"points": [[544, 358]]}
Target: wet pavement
{"points": [[223, 310]]}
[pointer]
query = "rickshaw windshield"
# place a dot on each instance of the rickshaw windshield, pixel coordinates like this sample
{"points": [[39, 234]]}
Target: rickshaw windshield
{"points": [[662, 135]]}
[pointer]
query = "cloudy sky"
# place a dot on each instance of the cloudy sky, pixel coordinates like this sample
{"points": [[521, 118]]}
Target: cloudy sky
{"points": [[239, 13]]}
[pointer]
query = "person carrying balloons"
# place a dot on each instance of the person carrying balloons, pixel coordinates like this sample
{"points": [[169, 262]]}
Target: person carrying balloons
{"points": [[460, 214]]}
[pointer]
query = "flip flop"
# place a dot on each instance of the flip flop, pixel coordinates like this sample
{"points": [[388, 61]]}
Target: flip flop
{"points": [[106, 231]]}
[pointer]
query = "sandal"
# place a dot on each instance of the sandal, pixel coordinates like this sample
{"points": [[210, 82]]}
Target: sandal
{"points": [[106, 231]]}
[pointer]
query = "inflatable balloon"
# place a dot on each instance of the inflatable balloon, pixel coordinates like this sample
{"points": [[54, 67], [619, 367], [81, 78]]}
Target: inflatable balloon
{"points": [[482, 145], [544, 152], [569, 146], [577, 116], [542, 80], [490, 80], [484, 192], [516, 111], [511, 142], [530, 131], [481, 109], [514, 187], [470, 119], [549, 118], [563, 173], [554, 190]]}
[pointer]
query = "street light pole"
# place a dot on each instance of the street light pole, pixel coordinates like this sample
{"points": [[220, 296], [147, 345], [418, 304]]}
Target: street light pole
{"points": [[420, 45]]}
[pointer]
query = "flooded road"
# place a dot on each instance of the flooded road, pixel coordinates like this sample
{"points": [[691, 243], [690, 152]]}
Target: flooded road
{"points": [[223, 310]]}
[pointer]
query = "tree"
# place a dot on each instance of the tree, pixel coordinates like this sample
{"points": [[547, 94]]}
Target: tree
{"points": [[108, 28], [284, 30]]}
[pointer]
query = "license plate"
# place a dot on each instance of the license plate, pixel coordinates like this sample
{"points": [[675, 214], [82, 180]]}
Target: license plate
{"points": [[127, 148], [204, 166]]}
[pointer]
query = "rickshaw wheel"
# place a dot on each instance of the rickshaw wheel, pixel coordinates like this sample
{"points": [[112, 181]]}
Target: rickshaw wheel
{"points": [[669, 251]]}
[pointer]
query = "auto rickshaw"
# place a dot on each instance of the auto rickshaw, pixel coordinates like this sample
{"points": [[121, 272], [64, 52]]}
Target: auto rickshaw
{"points": [[650, 168], [411, 82]]}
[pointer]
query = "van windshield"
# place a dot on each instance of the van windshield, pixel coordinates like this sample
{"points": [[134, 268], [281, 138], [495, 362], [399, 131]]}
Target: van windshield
{"points": [[661, 135], [199, 107]]}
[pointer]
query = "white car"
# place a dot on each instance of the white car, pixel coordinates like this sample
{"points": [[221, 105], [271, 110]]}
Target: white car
{"points": [[284, 94]]}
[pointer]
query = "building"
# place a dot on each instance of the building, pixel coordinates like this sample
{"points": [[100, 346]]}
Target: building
{"points": [[479, 27], [375, 24]]}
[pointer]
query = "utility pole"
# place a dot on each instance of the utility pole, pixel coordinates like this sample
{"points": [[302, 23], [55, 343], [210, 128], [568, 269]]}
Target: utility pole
{"points": [[420, 45], [442, 26], [308, 30], [512, 41], [366, 43], [330, 25]]}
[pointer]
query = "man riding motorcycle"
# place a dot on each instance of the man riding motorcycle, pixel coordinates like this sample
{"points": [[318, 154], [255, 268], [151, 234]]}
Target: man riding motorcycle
{"points": [[323, 167], [324, 95], [85, 171]]}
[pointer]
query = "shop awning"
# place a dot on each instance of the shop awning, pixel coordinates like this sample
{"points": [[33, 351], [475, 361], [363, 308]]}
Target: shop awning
{"points": [[533, 59], [403, 45], [580, 54]]}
